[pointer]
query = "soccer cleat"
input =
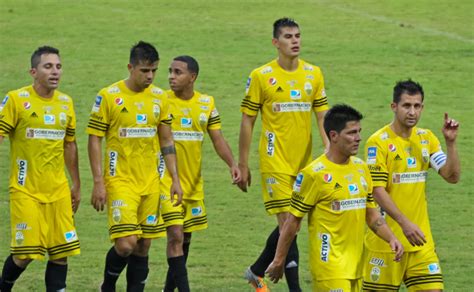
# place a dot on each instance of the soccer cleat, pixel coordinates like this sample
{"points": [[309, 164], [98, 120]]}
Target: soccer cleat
{"points": [[257, 282]]}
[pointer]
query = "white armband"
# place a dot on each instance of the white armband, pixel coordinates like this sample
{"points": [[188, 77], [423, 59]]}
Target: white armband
{"points": [[438, 160]]}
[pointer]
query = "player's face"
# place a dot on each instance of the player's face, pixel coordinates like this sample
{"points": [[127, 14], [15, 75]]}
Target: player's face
{"points": [[142, 74], [289, 41], [408, 110], [48, 72], [349, 138], [179, 77]]}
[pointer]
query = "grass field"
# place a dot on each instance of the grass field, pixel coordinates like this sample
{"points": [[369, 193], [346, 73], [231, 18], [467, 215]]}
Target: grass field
{"points": [[363, 47]]}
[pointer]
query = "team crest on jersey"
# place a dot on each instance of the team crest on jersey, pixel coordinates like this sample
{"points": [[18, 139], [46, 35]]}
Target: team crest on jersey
{"points": [[119, 101], [392, 148], [49, 119], [425, 154], [411, 162], [27, 105], [353, 189], [116, 215], [203, 118], [142, 119], [327, 177], [62, 119], [272, 81], [308, 88], [186, 122], [19, 238], [156, 110], [375, 274], [70, 236]]}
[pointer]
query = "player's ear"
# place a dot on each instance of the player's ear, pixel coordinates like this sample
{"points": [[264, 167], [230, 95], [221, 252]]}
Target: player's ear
{"points": [[33, 72], [275, 43], [393, 106], [129, 67]]}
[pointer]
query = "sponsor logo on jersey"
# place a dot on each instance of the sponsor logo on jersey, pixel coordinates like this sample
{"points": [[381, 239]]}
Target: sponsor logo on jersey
{"points": [[397, 158], [116, 215], [24, 94], [295, 94], [27, 105], [205, 99], [19, 238], [204, 107], [156, 110], [353, 189], [63, 98], [337, 186], [308, 88], [139, 105], [371, 155], [377, 262], [142, 119], [65, 107], [409, 177], [284, 107], [156, 90], [424, 142], [202, 118], [247, 85], [4, 101], [22, 170], [392, 148], [363, 182], [375, 274], [349, 177], [270, 143], [119, 101], [337, 290], [267, 70], [325, 246], [137, 132], [272, 81], [420, 131], [186, 122], [48, 134], [310, 77], [113, 157], [22, 226], [70, 236], [124, 111], [271, 181], [434, 268], [291, 83], [327, 177], [151, 219], [348, 204], [411, 162], [96, 106], [157, 101], [384, 136], [196, 211], [62, 119], [279, 89], [318, 167], [308, 68], [188, 135], [49, 119], [161, 165], [117, 203], [298, 182], [113, 89]]}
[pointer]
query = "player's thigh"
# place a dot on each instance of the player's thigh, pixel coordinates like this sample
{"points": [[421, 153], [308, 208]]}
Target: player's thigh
{"points": [[122, 211], [339, 285], [195, 216], [28, 228], [150, 222], [423, 271], [276, 190], [62, 237], [381, 273]]}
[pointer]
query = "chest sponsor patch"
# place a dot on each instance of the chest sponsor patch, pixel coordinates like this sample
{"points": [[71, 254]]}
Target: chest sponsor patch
{"points": [[411, 162], [49, 119], [285, 107], [188, 135], [353, 189], [49, 134], [349, 204], [295, 94], [186, 122], [142, 119], [409, 177], [137, 132]]}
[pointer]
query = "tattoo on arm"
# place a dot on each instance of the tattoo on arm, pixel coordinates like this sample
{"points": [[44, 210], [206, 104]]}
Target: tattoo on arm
{"points": [[168, 150], [377, 224]]}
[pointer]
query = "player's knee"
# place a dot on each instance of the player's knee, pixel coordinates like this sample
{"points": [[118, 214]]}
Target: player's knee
{"points": [[22, 263], [175, 236], [125, 245]]}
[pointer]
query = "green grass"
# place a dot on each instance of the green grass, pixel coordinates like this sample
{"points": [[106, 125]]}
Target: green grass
{"points": [[363, 47]]}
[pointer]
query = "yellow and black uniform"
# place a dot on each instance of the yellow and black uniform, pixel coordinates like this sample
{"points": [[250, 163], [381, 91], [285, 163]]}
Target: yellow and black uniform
{"points": [[129, 121], [400, 165], [286, 100], [336, 197], [40, 198], [191, 120]]}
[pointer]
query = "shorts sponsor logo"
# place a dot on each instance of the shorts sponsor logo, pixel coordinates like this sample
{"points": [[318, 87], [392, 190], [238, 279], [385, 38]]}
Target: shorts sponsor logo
{"points": [[409, 177], [196, 211], [116, 215], [434, 268], [22, 170], [151, 219], [270, 143], [286, 107], [117, 203], [19, 238], [375, 274], [113, 156], [298, 182], [247, 85], [353, 189], [119, 101], [137, 132], [392, 148], [411, 162], [371, 155], [49, 119], [62, 119], [96, 106], [377, 262], [188, 135], [325, 246], [272, 81], [186, 122], [45, 134], [22, 226], [142, 119], [70, 236], [295, 94], [27, 105], [327, 177], [348, 204]]}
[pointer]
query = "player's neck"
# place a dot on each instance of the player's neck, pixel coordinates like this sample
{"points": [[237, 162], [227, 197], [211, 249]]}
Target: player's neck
{"points": [[133, 86], [185, 94], [289, 64], [336, 156], [43, 91], [401, 130]]}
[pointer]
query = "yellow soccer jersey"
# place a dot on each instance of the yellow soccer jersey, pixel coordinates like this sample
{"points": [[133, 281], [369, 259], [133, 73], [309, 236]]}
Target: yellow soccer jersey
{"points": [[129, 121], [37, 128], [285, 100], [400, 166], [336, 197], [191, 120]]}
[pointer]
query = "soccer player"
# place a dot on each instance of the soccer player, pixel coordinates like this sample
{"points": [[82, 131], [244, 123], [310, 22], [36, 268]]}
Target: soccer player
{"points": [[399, 155], [335, 189], [285, 90], [40, 123], [193, 115], [130, 114]]}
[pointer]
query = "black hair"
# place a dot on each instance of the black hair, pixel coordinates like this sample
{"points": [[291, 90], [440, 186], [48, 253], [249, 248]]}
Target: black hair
{"points": [[337, 117], [283, 22], [143, 52], [44, 50], [193, 65], [409, 87]]}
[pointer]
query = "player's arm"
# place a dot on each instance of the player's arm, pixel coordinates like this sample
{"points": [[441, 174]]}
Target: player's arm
{"points": [[169, 154], [451, 170], [378, 225], [412, 232], [72, 164], [245, 139], [225, 153], [276, 268], [99, 195], [322, 133]]}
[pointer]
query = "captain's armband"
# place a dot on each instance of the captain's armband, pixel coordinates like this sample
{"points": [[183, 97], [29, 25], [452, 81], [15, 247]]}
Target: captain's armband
{"points": [[438, 160]]}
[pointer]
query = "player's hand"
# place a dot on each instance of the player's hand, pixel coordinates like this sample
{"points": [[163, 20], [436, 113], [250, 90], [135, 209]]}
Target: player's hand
{"points": [[396, 247], [99, 196], [246, 177], [275, 271], [450, 128], [176, 191], [235, 174], [413, 233], [75, 198]]}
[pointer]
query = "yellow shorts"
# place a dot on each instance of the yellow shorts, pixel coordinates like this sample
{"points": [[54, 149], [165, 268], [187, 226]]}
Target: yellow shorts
{"points": [[132, 214], [337, 285], [277, 189], [40, 228], [191, 214], [419, 270]]}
